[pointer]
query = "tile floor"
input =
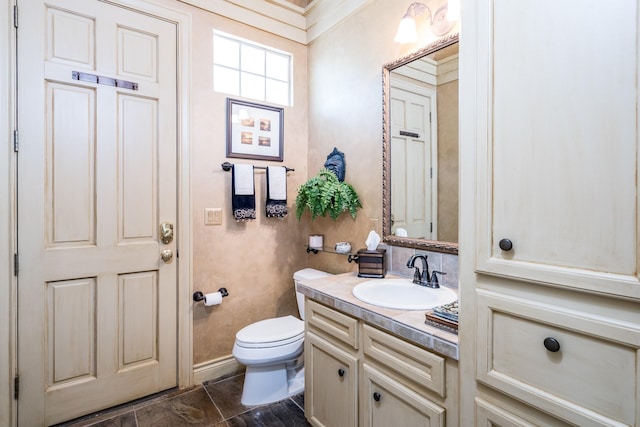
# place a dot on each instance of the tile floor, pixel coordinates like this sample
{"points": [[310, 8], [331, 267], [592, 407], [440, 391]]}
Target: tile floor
{"points": [[216, 403]]}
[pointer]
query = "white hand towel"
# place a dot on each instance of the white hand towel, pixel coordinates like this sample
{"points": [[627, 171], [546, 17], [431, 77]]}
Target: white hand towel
{"points": [[276, 205], [277, 182], [243, 198], [244, 182]]}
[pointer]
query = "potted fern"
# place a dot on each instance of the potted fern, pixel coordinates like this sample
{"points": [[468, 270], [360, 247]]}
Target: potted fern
{"points": [[325, 193]]}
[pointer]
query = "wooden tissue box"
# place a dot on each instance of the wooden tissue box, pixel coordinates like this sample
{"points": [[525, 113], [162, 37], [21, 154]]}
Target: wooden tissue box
{"points": [[372, 263]]}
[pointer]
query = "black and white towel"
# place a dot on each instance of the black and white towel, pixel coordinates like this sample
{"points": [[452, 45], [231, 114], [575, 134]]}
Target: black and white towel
{"points": [[276, 206], [243, 193]]}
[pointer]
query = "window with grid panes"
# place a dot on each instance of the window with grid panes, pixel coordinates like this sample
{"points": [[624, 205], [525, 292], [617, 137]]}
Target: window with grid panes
{"points": [[251, 70]]}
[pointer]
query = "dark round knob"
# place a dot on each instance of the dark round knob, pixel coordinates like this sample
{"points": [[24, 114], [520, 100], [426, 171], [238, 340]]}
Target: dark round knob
{"points": [[505, 244], [376, 396], [341, 372], [551, 344]]}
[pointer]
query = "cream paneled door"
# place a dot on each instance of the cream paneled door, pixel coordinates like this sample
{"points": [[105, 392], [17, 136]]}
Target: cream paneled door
{"points": [[97, 178]]}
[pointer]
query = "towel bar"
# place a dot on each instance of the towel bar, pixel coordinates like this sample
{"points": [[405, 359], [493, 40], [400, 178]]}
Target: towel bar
{"points": [[226, 166]]}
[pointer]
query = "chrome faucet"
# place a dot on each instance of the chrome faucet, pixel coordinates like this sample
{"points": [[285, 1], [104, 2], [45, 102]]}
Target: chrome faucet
{"points": [[424, 278]]}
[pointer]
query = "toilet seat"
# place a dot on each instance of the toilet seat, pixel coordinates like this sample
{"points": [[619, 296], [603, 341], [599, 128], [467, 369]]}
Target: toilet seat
{"points": [[275, 332]]}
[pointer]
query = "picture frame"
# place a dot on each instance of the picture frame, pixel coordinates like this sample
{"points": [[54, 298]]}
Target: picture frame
{"points": [[254, 131]]}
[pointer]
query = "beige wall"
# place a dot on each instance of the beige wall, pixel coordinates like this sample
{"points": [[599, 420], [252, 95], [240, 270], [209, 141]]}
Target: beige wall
{"points": [[345, 110], [341, 85], [254, 260]]}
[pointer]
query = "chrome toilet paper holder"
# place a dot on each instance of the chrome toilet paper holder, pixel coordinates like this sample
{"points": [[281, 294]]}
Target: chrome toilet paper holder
{"points": [[199, 296]]}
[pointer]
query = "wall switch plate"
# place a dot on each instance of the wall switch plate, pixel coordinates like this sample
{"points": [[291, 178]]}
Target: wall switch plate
{"points": [[213, 216], [373, 224]]}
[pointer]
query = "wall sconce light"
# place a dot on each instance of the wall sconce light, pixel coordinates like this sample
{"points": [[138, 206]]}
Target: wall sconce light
{"points": [[440, 22]]}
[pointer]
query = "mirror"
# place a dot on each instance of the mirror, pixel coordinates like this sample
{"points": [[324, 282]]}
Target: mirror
{"points": [[420, 148]]}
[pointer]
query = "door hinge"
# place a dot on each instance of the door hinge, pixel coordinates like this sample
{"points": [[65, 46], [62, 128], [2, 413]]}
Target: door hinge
{"points": [[431, 173], [16, 387], [15, 16], [430, 227], [16, 264], [16, 141], [429, 116]]}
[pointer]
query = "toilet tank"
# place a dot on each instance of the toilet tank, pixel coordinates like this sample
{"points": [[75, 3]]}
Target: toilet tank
{"points": [[305, 274]]}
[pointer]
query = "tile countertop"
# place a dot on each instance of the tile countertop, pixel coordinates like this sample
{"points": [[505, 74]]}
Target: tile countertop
{"points": [[336, 291]]}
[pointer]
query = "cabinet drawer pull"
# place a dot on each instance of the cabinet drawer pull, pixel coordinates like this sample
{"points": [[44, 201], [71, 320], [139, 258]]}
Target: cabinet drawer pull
{"points": [[505, 244], [341, 372], [551, 344], [377, 396]]}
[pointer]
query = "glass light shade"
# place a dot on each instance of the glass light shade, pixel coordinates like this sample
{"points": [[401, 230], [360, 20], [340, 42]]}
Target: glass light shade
{"points": [[407, 32], [453, 10]]}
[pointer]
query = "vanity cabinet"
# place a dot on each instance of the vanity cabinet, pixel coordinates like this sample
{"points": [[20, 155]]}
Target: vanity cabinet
{"points": [[359, 375], [550, 296]]}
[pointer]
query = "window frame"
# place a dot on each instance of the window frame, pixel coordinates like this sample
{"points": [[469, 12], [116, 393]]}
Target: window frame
{"points": [[268, 50]]}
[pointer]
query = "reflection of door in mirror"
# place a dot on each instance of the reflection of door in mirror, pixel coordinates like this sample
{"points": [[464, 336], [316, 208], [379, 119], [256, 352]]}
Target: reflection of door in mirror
{"points": [[424, 147], [413, 146]]}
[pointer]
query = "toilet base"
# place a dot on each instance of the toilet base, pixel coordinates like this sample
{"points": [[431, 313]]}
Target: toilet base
{"points": [[296, 382], [268, 384]]}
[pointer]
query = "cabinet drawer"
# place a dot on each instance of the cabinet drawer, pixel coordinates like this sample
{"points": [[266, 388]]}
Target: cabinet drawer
{"points": [[332, 323], [407, 361], [591, 379], [489, 414]]}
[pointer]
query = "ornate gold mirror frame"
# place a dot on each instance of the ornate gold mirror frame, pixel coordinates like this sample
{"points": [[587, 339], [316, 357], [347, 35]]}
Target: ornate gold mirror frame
{"points": [[388, 238]]}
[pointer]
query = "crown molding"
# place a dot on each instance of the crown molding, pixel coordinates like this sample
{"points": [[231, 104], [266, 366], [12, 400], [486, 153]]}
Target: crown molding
{"points": [[322, 15], [279, 17], [274, 17]]}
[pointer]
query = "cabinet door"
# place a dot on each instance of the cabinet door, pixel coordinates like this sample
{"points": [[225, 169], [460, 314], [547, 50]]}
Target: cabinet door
{"points": [[386, 402], [558, 142], [331, 375]]}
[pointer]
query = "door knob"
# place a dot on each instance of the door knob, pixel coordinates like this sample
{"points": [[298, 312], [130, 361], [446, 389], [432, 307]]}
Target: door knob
{"points": [[166, 232], [166, 255], [377, 396]]}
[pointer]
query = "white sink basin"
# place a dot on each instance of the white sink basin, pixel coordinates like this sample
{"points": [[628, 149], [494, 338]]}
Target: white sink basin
{"points": [[402, 294]]}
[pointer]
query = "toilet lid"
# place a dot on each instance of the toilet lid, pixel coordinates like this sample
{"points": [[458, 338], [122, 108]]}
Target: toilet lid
{"points": [[271, 332]]}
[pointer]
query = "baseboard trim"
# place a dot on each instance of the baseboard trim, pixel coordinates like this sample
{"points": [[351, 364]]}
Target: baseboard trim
{"points": [[217, 368]]}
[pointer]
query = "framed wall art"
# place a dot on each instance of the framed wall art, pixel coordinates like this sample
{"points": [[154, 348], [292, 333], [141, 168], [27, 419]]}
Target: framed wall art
{"points": [[254, 131]]}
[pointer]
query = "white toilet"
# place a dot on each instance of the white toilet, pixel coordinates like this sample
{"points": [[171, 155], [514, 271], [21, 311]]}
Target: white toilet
{"points": [[271, 350]]}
